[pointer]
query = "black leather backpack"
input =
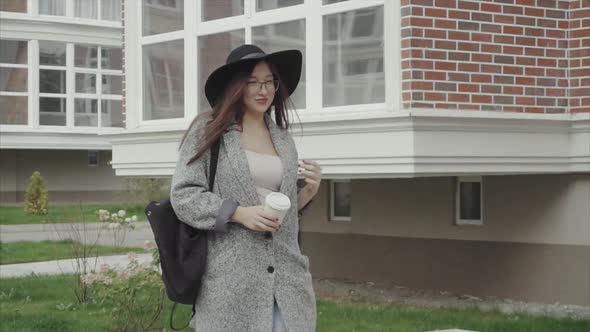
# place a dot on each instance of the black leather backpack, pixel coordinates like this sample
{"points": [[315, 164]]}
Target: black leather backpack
{"points": [[182, 248]]}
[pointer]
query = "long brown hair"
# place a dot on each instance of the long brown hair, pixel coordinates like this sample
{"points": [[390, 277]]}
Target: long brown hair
{"points": [[230, 107]]}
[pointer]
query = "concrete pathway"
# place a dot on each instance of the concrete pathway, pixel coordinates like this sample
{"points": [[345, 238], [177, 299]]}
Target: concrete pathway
{"points": [[90, 232], [67, 265]]}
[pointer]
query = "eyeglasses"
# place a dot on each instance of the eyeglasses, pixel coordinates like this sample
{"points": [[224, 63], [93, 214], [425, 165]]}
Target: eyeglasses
{"points": [[255, 86]]}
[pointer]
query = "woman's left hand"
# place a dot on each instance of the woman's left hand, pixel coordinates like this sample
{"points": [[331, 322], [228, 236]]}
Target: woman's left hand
{"points": [[313, 175]]}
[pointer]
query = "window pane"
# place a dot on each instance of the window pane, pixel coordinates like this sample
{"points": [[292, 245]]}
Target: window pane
{"points": [[112, 84], [13, 110], [13, 51], [52, 53], [86, 8], [85, 83], [282, 36], [19, 6], [86, 113], [163, 80], [342, 199], [161, 16], [353, 58], [111, 58], [110, 10], [86, 56], [52, 81], [272, 4], [111, 113], [216, 9], [213, 51], [13, 79], [470, 201], [52, 111], [52, 7]]}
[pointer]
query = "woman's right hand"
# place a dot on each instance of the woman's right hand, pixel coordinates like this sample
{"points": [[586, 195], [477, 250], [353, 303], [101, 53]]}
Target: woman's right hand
{"points": [[256, 219]]}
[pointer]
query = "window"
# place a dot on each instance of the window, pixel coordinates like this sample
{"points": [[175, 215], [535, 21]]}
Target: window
{"points": [[163, 80], [216, 9], [17, 6], [14, 82], [340, 200], [209, 48], [52, 7], [94, 64], [93, 158], [161, 16], [86, 9], [272, 4], [353, 58], [281, 36], [52, 83], [110, 10], [469, 201]]}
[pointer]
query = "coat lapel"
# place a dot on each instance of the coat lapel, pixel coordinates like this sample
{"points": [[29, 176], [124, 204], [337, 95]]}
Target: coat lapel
{"points": [[239, 162]]}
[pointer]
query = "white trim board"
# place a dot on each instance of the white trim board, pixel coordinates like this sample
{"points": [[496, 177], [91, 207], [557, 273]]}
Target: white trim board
{"points": [[392, 144]]}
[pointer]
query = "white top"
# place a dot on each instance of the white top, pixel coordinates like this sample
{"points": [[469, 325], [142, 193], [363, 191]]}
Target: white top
{"points": [[267, 173]]}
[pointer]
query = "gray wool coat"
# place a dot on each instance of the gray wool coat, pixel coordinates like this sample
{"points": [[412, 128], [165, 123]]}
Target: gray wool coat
{"points": [[246, 270]]}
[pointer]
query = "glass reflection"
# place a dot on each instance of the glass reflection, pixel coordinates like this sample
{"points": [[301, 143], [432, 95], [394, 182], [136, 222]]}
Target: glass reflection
{"points": [[52, 111], [161, 16], [13, 51], [13, 79], [13, 110], [85, 56], [85, 83], [86, 113], [111, 58], [52, 53], [273, 4], [282, 36], [353, 58], [216, 9], [112, 84], [163, 80], [111, 113]]}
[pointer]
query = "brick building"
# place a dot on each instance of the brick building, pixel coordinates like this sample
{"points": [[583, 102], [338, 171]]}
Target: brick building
{"points": [[454, 135]]}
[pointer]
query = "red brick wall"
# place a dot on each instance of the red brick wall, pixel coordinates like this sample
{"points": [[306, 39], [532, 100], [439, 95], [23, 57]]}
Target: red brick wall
{"points": [[579, 56], [504, 55]]}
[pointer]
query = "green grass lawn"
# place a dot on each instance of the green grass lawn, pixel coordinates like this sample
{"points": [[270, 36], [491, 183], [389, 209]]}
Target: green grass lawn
{"points": [[25, 251], [33, 304], [65, 214]]}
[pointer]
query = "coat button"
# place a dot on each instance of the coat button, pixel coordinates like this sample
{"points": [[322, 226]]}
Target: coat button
{"points": [[270, 269], [267, 235]]}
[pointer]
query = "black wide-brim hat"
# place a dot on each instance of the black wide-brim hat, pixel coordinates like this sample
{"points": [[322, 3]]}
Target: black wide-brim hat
{"points": [[288, 64]]}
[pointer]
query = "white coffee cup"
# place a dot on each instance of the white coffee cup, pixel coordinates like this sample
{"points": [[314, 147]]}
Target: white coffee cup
{"points": [[277, 204]]}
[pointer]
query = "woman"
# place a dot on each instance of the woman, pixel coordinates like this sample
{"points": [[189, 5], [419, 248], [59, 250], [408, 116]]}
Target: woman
{"points": [[256, 278]]}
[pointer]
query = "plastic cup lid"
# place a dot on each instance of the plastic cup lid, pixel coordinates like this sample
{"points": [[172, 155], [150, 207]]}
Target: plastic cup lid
{"points": [[278, 201]]}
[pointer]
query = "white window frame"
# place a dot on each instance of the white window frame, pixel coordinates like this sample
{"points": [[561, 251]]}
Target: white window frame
{"points": [[29, 91], [333, 217], [458, 220], [311, 11], [70, 12]]}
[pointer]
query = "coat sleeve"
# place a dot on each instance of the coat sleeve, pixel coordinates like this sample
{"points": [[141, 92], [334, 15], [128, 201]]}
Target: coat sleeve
{"points": [[190, 196]]}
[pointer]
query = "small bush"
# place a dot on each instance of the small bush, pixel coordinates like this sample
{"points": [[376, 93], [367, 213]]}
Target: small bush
{"points": [[144, 190], [36, 196]]}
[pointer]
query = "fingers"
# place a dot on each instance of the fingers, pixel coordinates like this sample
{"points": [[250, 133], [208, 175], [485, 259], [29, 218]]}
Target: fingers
{"points": [[260, 226], [312, 175]]}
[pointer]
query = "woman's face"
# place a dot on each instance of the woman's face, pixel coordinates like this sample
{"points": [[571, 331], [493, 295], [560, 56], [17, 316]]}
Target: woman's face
{"points": [[260, 89]]}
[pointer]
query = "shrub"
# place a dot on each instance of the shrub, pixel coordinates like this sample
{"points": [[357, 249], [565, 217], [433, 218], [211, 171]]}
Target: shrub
{"points": [[36, 196], [144, 190]]}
